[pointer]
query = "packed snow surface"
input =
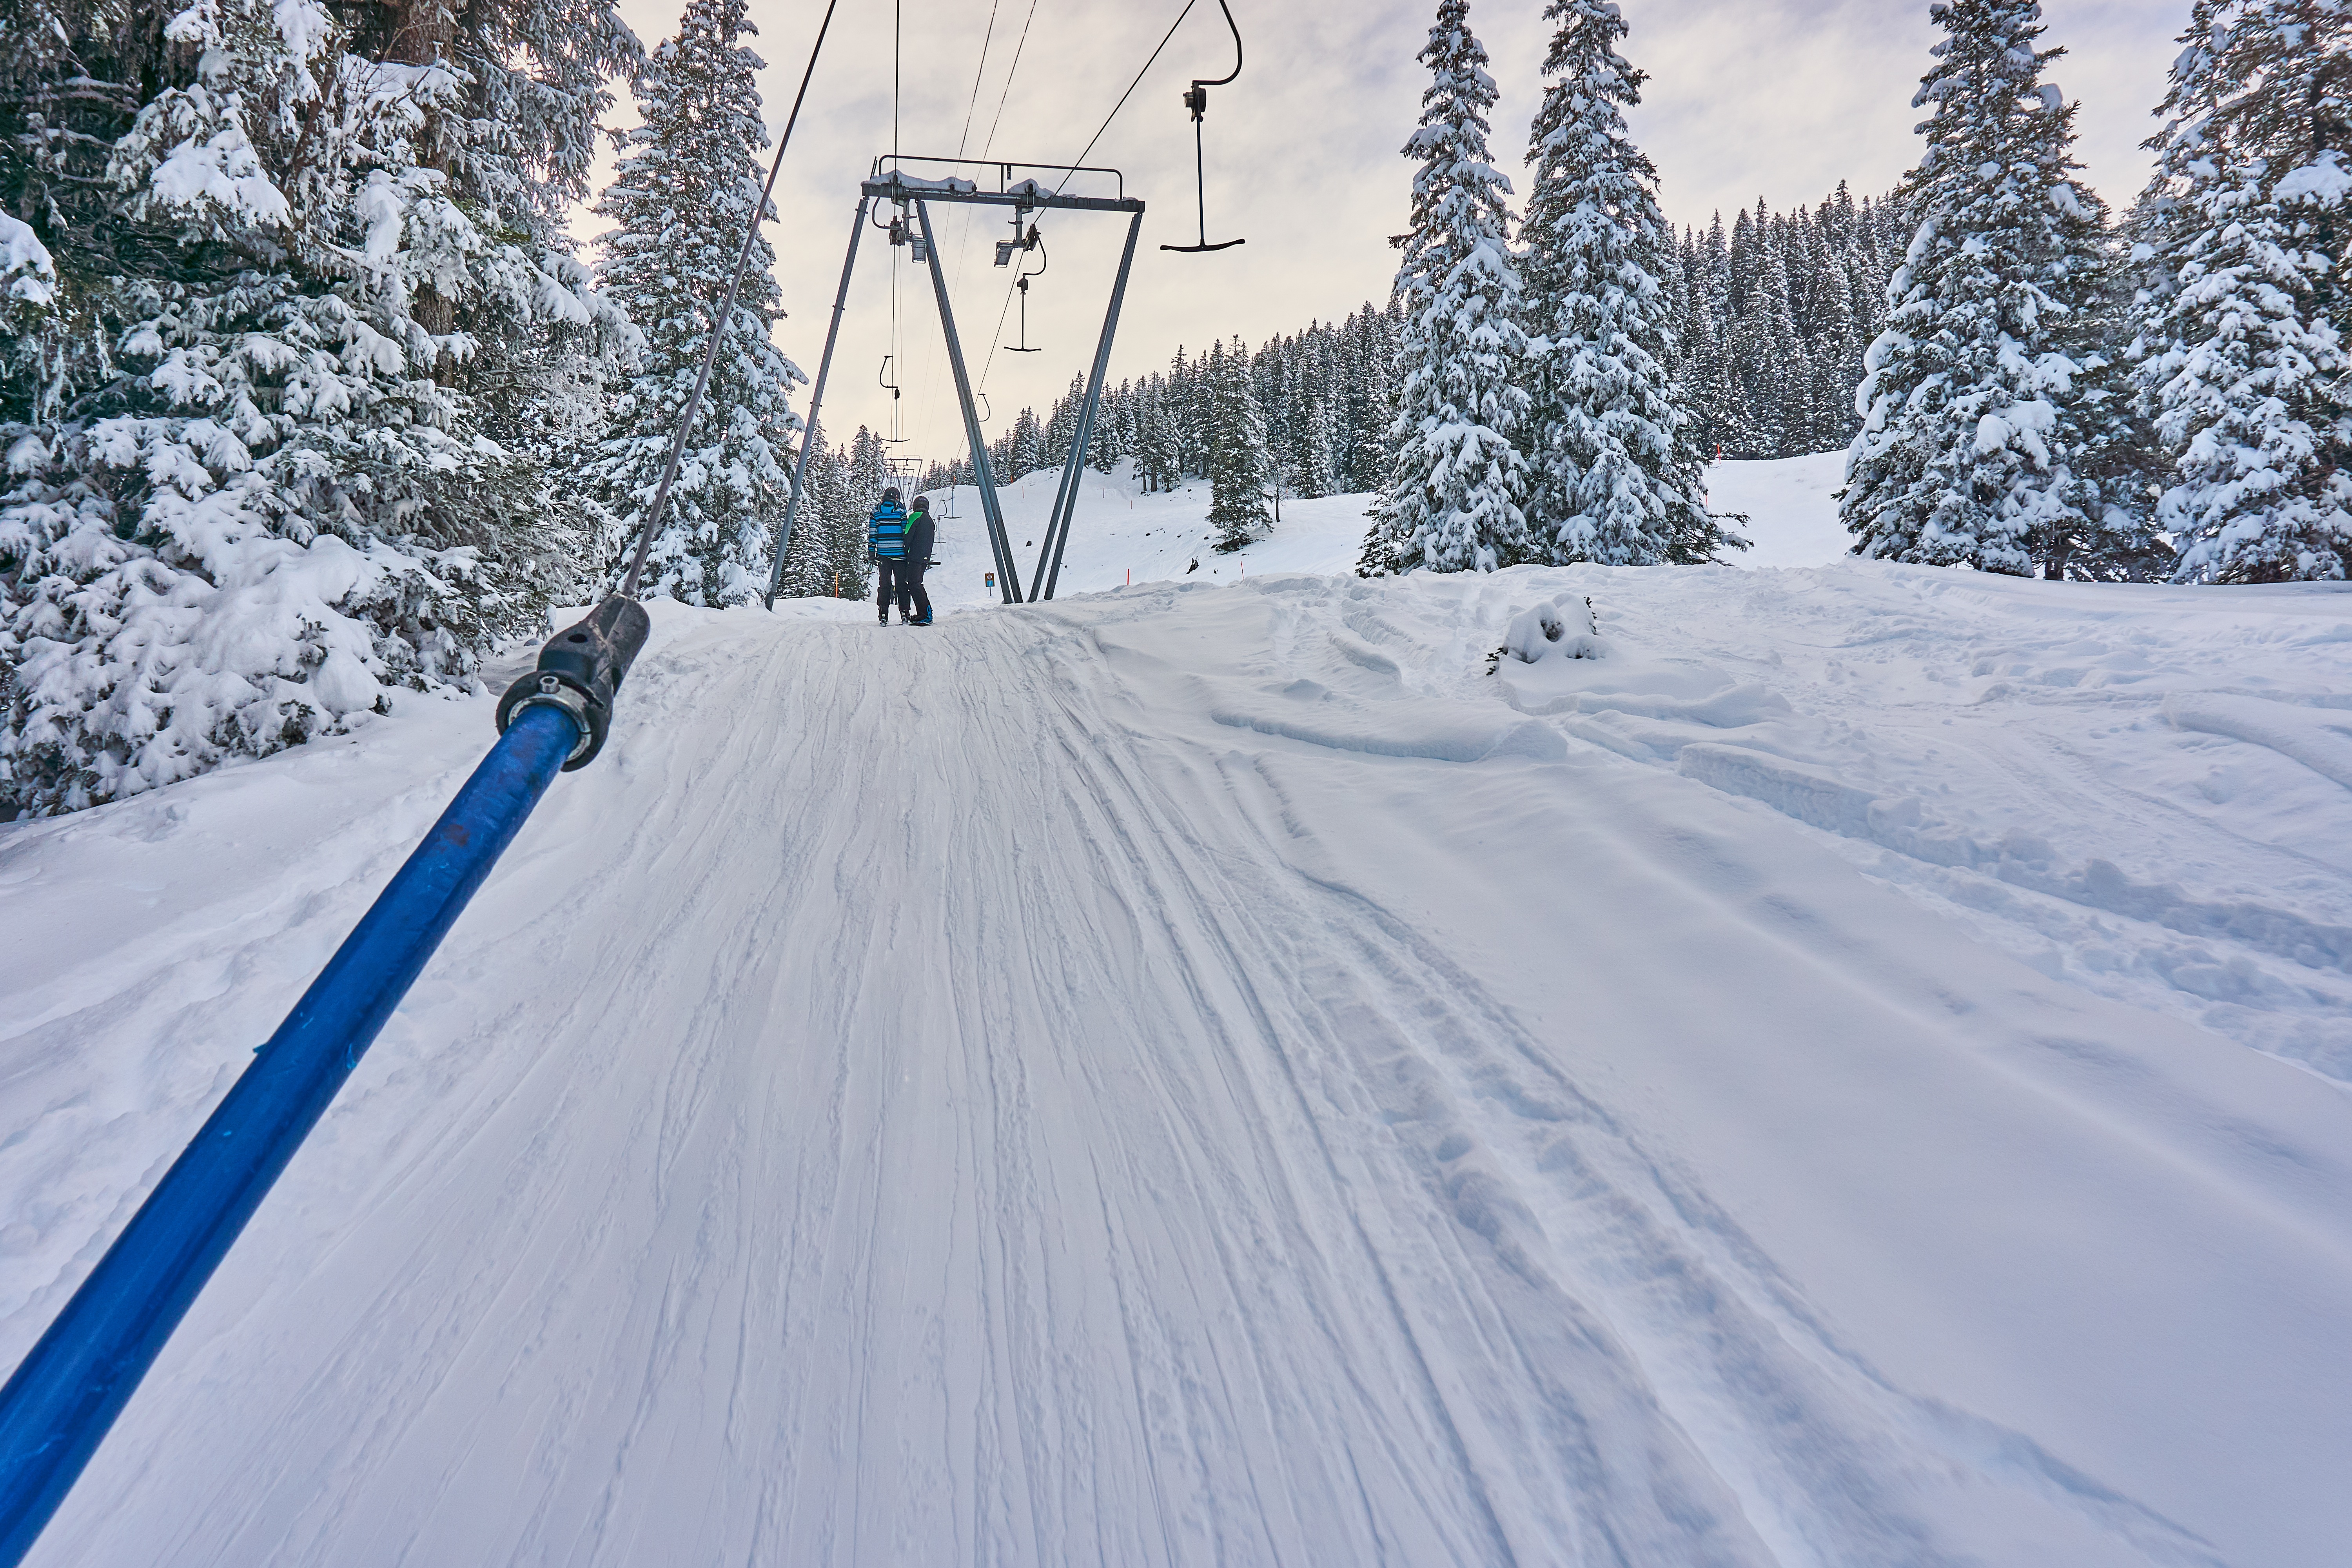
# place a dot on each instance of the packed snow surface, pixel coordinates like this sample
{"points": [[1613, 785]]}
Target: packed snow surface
{"points": [[1851, 1070]]}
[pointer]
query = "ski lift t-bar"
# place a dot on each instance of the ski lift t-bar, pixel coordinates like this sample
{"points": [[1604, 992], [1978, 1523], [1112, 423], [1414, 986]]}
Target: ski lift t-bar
{"points": [[66, 1393], [64, 1396], [1196, 99]]}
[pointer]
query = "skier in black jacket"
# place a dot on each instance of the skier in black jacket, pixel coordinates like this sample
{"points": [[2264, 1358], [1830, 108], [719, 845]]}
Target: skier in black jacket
{"points": [[923, 533]]}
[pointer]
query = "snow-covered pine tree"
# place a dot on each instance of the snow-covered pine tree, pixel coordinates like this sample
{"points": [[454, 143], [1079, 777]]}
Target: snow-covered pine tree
{"points": [[1615, 472], [854, 482], [1367, 410], [1163, 442], [311, 268], [31, 325], [1238, 460], [808, 553], [678, 203], [1774, 323], [1318, 466], [1108, 441], [2248, 347], [1452, 499], [1969, 436], [1713, 383]]}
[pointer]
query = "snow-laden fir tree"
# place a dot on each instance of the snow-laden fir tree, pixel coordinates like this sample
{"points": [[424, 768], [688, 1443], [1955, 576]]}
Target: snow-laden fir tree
{"points": [[309, 274], [2106, 530], [2246, 362], [864, 475], [680, 203], [1238, 460], [808, 552], [1615, 473], [1318, 462], [1971, 429], [29, 319], [1453, 497], [1160, 455]]}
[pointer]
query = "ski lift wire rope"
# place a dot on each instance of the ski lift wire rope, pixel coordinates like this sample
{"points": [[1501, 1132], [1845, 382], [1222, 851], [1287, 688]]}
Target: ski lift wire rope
{"points": [[1001, 98], [923, 378], [64, 1396], [1070, 169]]}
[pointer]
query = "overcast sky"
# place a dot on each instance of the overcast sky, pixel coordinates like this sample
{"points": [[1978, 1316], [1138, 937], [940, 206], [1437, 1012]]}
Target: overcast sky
{"points": [[1747, 99]]}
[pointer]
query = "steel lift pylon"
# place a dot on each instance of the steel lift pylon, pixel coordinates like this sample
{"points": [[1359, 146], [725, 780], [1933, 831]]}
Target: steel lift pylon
{"points": [[893, 184]]}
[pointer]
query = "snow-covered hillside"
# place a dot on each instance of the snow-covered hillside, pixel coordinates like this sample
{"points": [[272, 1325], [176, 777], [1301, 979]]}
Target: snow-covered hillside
{"points": [[1204, 1071], [1121, 537]]}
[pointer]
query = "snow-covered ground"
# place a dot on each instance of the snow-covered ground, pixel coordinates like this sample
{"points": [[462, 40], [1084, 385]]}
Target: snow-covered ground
{"points": [[1204, 1071]]}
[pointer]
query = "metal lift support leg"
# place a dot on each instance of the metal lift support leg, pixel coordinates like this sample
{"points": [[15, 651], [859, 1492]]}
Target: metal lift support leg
{"points": [[1065, 500], [998, 542], [816, 401]]}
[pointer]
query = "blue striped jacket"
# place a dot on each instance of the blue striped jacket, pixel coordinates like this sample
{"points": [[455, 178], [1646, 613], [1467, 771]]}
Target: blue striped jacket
{"points": [[886, 533]]}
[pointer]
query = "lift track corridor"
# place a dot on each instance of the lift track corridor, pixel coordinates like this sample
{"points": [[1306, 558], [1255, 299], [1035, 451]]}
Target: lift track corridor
{"points": [[1166, 1078]]}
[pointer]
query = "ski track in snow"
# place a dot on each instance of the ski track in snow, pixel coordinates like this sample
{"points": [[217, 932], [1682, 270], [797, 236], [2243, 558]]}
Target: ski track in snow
{"points": [[1209, 1074]]}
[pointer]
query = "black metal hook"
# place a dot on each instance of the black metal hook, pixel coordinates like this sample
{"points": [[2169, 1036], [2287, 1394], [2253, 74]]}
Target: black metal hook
{"points": [[882, 378]]}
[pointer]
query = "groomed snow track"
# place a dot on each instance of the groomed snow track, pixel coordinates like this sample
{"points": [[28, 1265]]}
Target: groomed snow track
{"points": [[1166, 1078]]}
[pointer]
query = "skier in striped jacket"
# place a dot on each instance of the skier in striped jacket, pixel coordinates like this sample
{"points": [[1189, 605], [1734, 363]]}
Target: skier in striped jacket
{"points": [[886, 544]]}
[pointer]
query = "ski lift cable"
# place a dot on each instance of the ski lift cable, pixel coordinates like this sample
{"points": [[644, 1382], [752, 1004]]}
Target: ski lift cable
{"points": [[1076, 163], [1005, 309], [979, 73], [64, 1396], [1070, 169], [628, 589], [1009, 75], [964, 219], [898, 56]]}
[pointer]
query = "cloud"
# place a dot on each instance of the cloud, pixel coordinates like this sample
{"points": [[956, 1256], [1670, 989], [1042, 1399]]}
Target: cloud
{"points": [[1746, 98]]}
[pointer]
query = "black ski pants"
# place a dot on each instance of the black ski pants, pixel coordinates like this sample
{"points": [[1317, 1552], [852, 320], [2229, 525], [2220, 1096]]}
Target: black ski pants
{"points": [[886, 587], [914, 605]]}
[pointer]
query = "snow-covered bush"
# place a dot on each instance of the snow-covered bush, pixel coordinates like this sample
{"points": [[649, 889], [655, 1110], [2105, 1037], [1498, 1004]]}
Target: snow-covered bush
{"points": [[253, 487], [1563, 627]]}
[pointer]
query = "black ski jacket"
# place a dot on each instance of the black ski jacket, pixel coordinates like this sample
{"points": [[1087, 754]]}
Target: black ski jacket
{"points": [[921, 534]]}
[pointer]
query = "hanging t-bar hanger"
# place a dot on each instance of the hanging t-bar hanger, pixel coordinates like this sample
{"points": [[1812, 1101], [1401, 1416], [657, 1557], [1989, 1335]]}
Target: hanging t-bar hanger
{"points": [[1196, 99], [1008, 248]]}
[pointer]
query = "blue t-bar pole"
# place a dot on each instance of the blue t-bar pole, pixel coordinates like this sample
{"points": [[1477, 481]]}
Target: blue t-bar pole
{"points": [[67, 1392], [65, 1395]]}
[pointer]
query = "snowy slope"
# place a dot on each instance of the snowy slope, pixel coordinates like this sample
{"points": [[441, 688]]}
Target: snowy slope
{"points": [[1789, 509], [1119, 536], [1205, 1072]]}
